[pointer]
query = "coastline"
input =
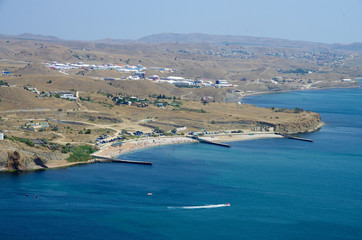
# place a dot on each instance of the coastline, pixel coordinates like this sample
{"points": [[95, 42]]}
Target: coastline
{"points": [[300, 90], [133, 145]]}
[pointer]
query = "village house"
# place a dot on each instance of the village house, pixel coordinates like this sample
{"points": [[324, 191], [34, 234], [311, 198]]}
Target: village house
{"points": [[222, 83], [69, 96]]}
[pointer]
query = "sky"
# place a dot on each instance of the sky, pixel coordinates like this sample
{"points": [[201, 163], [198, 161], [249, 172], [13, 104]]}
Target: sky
{"points": [[328, 21]]}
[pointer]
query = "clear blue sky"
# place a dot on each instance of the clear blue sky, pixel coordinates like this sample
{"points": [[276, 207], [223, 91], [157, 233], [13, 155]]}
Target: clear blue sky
{"points": [[329, 21]]}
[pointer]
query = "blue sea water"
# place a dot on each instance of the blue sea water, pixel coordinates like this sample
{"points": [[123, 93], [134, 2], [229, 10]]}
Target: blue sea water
{"points": [[278, 188]]}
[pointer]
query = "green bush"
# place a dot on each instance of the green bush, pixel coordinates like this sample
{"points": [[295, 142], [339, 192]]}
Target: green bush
{"points": [[298, 110], [3, 83], [23, 140], [26, 141], [81, 153]]}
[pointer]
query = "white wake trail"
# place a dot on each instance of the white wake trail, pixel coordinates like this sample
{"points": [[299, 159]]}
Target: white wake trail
{"points": [[203, 206]]}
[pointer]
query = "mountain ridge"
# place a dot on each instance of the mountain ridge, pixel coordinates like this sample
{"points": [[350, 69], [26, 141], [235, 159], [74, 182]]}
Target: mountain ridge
{"points": [[200, 38]]}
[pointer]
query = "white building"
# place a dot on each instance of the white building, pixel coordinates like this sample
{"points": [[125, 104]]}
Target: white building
{"points": [[222, 83], [182, 83], [173, 78], [68, 96]]}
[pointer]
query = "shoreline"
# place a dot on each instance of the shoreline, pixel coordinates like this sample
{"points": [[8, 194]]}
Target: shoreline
{"points": [[134, 145], [299, 90]]}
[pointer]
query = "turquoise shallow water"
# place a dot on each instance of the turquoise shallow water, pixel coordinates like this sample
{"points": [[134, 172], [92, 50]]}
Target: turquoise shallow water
{"points": [[278, 188]]}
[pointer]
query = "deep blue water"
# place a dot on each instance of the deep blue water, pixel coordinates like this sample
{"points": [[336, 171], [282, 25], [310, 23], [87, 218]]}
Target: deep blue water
{"points": [[278, 188]]}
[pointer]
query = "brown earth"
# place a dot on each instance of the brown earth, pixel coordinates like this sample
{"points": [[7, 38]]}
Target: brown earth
{"points": [[18, 156]]}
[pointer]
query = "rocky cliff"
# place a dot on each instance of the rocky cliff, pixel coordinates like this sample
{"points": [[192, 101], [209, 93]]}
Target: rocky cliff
{"points": [[18, 156], [310, 123]]}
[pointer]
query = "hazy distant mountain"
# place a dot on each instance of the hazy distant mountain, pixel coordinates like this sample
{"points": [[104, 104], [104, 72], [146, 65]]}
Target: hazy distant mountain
{"points": [[349, 47], [195, 38], [115, 41], [30, 36]]}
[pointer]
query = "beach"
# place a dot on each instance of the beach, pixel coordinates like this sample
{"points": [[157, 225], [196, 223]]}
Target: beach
{"points": [[132, 145]]}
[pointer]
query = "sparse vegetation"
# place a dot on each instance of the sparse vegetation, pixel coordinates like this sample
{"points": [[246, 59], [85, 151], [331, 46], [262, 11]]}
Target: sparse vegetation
{"points": [[80, 153], [296, 71], [298, 110], [3, 83], [163, 105], [190, 110], [23, 140], [124, 131]]}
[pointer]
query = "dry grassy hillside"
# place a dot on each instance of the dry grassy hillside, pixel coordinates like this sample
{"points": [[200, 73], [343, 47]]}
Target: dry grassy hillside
{"points": [[230, 61], [17, 98], [35, 69], [61, 83]]}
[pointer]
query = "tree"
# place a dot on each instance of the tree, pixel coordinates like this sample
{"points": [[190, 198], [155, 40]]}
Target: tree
{"points": [[298, 110], [88, 131], [3, 83], [124, 131]]}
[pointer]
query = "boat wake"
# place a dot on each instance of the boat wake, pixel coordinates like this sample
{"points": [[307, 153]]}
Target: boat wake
{"points": [[203, 206]]}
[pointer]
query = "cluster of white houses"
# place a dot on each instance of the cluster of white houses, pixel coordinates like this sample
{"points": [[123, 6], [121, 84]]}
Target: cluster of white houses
{"points": [[81, 65], [60, 94], [180, 81], [138, 71]]}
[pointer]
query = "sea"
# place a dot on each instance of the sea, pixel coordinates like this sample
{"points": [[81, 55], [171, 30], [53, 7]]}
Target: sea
{"points": [[277, 188]]}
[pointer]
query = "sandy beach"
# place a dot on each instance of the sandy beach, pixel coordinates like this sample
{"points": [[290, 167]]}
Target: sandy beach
{"points": [[131, 145]]}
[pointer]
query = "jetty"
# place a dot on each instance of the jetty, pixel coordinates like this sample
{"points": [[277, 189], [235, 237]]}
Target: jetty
{"points": [[209, 142], [297, 138], [107, 159]]}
